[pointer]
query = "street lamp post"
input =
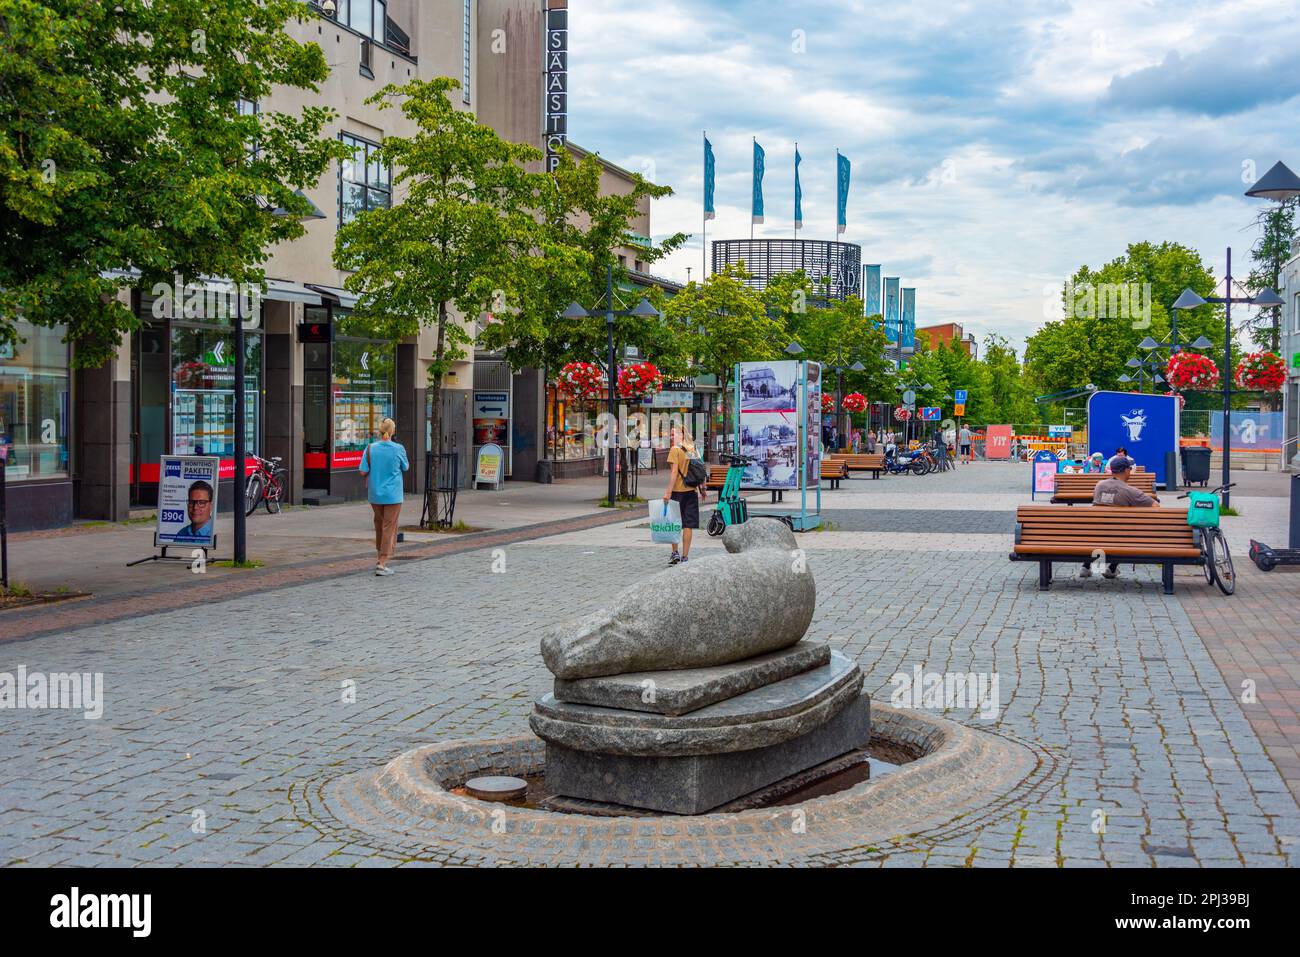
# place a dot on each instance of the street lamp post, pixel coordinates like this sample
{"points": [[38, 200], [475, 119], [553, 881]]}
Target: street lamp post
{"points": [[643, 309]]}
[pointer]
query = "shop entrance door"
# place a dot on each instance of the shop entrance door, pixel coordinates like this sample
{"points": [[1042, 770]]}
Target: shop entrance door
{"points": [[150, 392], [316, 404]]}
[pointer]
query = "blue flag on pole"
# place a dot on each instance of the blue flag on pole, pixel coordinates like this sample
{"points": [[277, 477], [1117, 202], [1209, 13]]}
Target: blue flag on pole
{"points": [[798, 191], [710, 180], [758, 183], [871, 289], [842, 178]]}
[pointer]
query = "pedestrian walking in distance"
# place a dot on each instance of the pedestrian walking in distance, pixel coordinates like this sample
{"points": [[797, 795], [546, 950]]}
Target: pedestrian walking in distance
{"points": [[383, 463]]}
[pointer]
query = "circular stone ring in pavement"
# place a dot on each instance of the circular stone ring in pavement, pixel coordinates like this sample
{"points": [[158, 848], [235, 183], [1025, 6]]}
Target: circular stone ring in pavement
{"points": [[964, 780]]}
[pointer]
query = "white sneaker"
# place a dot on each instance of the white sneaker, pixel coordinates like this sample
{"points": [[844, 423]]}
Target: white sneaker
{"points": [[1085, 572], [383, 570]]}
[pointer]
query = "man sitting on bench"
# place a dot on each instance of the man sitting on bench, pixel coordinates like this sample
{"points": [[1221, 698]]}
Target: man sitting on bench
{"points": [[1116, 491]]}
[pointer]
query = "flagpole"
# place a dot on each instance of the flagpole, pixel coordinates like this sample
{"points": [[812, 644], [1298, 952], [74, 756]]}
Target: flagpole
{"points": [[704, 241], [753, 185], [796, 183]]}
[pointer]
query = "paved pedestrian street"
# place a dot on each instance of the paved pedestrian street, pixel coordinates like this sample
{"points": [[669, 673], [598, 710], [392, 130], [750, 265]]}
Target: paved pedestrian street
{"points": [[221, 719]]}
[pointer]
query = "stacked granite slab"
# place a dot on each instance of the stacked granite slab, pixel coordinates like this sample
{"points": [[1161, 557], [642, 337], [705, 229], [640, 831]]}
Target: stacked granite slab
{"points": [[697, 687]]}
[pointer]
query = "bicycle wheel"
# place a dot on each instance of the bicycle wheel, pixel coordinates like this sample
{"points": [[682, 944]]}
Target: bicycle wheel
{"points": [[274, 493], [1224, 575], [253, 493], [1207, 544]]}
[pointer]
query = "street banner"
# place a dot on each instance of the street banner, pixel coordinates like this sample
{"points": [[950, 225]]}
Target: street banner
{"points": [[1251, 431], [909, 316], [997, 442], [710, 179], [892, 328], [757, 212], [798, 190], [842, 192], [187, 500], [871, 289], [1146, 425]]}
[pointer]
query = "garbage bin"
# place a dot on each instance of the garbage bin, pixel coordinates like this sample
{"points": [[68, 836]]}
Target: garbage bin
{"points": [[1196, 465], [545, 472]]}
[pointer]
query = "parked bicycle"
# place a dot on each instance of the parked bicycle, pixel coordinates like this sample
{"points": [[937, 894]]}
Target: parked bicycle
{"points": [[265, 486], [1203, 512]]}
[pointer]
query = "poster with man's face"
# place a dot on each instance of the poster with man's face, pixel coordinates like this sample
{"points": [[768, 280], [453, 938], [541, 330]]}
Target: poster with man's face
{"points": [[187, 500]]}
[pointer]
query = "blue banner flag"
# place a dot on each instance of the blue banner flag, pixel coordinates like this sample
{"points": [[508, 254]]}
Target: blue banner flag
{"points": [[758, 183], [710, 180], [892, 327], [871, 289], [798, 191], [842, 206], [909, 316]]}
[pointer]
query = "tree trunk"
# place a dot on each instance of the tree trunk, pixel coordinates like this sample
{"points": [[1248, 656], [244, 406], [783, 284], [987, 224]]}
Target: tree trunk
{"points": [[435, 387]]}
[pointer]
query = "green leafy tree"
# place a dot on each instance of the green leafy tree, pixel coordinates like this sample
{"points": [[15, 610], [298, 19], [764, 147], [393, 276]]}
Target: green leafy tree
{"points": [[838, 335], [1269, 254], [724, 322], [457, 237], [580, 229], [1091, 344], [1004, 397], [122, 145]]}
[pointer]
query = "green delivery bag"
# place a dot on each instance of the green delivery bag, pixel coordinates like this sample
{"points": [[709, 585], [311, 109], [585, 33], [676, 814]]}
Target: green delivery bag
{"points": [[1203, 510]]}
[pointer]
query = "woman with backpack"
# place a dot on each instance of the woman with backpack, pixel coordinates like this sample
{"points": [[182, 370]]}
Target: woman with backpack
{"points": [[684, 463]]}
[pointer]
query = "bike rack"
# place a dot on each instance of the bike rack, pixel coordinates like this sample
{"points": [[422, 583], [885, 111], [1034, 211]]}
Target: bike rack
{"points": [[439, 490]]}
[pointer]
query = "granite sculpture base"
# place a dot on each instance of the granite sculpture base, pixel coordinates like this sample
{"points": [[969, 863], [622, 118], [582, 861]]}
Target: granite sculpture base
{"points": [[698, 783], [691, 763]]}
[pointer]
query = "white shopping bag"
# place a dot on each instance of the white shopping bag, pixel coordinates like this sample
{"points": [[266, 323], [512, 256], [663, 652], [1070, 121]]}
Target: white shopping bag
{"points": [[665, 522]]}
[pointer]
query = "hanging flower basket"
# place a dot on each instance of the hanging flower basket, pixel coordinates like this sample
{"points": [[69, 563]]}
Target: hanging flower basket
{"points": [[1191, 371], [828, 404], [1261, 371], [901, 414], [582, 380], [639, 380], [855, 402]]}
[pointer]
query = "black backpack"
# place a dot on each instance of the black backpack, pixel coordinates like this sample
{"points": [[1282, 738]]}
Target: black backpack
{"points": [[697, 473]]}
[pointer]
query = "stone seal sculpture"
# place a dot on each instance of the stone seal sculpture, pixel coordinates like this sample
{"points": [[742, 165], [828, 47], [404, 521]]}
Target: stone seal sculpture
{"points": [[715, 610], [696, 687]]}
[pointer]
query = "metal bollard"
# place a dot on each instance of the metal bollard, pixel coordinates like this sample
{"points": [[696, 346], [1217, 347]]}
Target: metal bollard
{"points": [[1295, 511]]}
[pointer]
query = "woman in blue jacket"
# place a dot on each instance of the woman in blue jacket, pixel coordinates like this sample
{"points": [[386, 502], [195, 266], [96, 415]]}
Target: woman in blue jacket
{"points": [[383, 463]]}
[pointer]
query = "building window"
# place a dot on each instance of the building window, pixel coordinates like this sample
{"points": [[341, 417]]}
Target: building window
{"points": [[364, 375], [364, 182], [34, 403], [203, 391], [466, 62]]}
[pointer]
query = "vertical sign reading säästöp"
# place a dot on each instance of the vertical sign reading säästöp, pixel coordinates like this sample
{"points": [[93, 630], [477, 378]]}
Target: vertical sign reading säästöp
{"points": [[557, 81]]}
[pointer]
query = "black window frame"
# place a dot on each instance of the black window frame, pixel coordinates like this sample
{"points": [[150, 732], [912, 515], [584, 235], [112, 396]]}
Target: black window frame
{"points": [[366, 146]]}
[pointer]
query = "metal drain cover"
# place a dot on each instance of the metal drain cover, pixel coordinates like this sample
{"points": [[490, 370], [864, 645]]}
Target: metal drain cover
{"points": [[496, 788]]}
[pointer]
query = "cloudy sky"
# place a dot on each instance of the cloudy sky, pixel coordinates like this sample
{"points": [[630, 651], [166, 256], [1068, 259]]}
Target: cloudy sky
{"points": [[996, 146]]}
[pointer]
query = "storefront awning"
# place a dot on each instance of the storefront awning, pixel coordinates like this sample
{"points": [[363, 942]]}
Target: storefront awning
{"points": [[341, 296], [283, 291]]}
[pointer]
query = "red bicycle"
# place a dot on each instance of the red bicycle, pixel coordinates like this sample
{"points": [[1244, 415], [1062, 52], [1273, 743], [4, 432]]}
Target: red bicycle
{"points": [[265, 486]]}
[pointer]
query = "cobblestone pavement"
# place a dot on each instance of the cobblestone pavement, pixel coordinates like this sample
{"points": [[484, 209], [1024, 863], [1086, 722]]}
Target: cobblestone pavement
{"points": [[216, 714]]}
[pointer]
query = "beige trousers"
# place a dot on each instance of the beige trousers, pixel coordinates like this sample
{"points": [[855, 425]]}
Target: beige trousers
{"points": [[386, 517]]}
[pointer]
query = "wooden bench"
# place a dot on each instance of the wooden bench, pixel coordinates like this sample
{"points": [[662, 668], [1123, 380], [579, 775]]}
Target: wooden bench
{"points": [[862, 462], [1048, 534], [833, 470], [1075, 489], [717, 476]]}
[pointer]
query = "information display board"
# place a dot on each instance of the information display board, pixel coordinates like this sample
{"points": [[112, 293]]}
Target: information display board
{"points": [[778, 425]]}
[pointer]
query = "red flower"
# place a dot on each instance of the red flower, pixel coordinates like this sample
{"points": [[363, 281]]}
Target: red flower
{"points": [[639, 380], [1261, 371], [902, 414], [828, 404], [1191, 370], [855, 402], [582, 380]]}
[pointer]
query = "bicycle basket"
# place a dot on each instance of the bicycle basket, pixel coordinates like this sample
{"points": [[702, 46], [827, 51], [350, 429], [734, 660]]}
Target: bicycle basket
{"points": [[1203, 510]]}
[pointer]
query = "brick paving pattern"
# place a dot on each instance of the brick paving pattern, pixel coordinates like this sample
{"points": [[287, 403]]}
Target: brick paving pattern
{"points": [[220, 714]]}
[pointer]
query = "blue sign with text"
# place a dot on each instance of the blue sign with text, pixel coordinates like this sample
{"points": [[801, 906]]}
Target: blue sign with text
{"points": [[1145, 425]]}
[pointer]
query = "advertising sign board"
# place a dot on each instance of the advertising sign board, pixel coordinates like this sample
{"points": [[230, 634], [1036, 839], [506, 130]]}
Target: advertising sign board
{"points": [[187, 500]]}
